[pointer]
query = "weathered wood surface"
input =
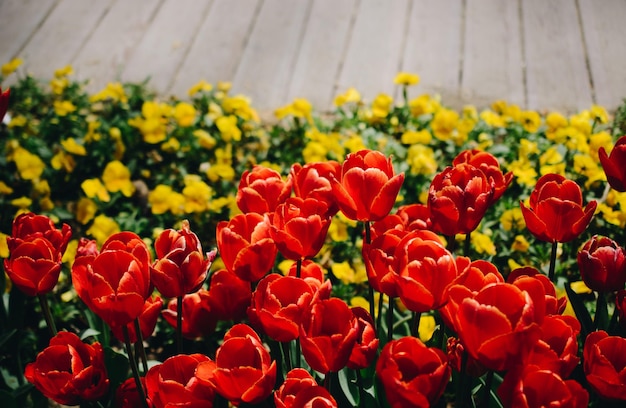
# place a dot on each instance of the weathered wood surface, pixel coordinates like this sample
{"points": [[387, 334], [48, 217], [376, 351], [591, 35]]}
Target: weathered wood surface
{"points": [[540, 54]]}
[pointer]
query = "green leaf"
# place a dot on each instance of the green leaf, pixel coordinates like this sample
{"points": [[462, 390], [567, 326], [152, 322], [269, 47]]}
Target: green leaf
{"points": [[89, 333], [347, 381], [117, 367], [582, 314], [7, 400]]}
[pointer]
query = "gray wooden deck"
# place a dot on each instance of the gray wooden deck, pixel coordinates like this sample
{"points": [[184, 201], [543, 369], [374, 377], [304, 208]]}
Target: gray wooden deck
{"points": [[541, 54]]}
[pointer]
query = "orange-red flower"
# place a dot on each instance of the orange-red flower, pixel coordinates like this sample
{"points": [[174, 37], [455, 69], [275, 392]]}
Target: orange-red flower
{"points": [[181, 267], [34, 266], [28, 226], [458, 198], [4, 102], [604, 363], [198, 318], [367, 187], [245, 245], [313, 181], [69, 371], [557, 348], [366, 346], [555, 211], [613, 164], [300, 390], [381, 263], [261, 190], [147, 321], [412, 374], [243, 370], [229, 296], [602, 264], [488, 164], [299, 227], [173, 383]]}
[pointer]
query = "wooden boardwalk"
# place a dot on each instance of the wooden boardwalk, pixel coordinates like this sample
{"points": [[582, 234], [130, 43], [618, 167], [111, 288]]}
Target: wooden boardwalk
{"points": [[541, 54]]}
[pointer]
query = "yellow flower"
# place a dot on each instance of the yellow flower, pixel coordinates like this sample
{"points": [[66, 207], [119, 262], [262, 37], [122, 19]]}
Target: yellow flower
{"points": [[351, 95], [4, 246], [426, 327], [116, 177], [58, 85], [205, 140], [11, 66], [92, 126], [493, 119], [520, 244], [4, 189], [482, 243], [220, 171], [338, 230], [86, 209], [102, 228], [62, 160], [17, 121], [354, 143], [582, 122], [599, 114], [598, 140], [381, 106], [239, 105], [524, 172], [444, 124], [22, 203], [551, 161], [228, 128], [413, 136], [163, 199], [93, 188], [113, 91], [197, 194], [421, 159], [406, 79], [171, 146], [512, 219], [63, 72], [347, 274], [423, 104], [29, 165], [585, 164], [71, 146], [200, 86], [224, 86], [185, 114], [530, 121], [580, 288], [62, 108]]}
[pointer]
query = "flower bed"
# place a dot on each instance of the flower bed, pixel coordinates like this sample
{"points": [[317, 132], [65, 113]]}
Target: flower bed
{"points": [[392, 253]]}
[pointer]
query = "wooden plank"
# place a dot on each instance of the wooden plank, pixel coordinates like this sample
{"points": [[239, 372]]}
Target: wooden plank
{"points": [[165, 43], [315, 72], [605, 30], [267, 62], [374, 53], [434, 48], [62, 35], [18, 20], [492, 57], [556, 71], [112, 43], [218, 47]]}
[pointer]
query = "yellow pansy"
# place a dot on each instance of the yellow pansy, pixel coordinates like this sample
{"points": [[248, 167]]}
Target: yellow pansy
{"points": [[350, 96], [524, 172], [406, 79], [413, 136], [530, 120], [424, 104], [228, 128], [520, 244], [598, 140], [11, 66], [71, 146], [220, 171], [4, 246], [599, 114], [580, 288], [338, 230], [62, 160], [58, 85], [421, 159], [63, 72], [586, 165], [163, 199], [482, 243], [93, 188], [347, 274], [112, 91], [354, 143], [426, 327], [200, 86], [205, 140], [582, 122], [512, 219], [102, 228], [17, 121], [171, 146], [197, 194], [5, 189], [239, 105], [492, 119], [22, 203], [116, 177], [551, 161], [185, 114], [62, 108], [29, 165], [444, 124], [86, 210], [381, 106], [314, 152]]}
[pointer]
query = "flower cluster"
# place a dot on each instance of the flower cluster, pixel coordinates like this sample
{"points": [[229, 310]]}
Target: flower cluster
{"points": [[396, 254]]}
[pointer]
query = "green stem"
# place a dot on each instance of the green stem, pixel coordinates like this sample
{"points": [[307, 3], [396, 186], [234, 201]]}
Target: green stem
{"points": [[415, 325], [179, 325], [553, 261], [359, 383], [133, 366], [464, 384], [488, 383], [381, 300], [451, 244], [45, 309], [467, 244], [390, 319], [139, 345], [368, 240], [286, 354], [299, 268]]}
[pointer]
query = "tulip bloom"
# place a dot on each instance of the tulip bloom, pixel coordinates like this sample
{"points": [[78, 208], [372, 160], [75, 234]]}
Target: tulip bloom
{"points": [[544, 296], [613, 164], [147, 321], [127, 395], [458, 198], [4, 102], [604, 363], [328, 334], [556, 210], [278, 304], [300, 390], [198, 318], [261, 190], [245, 245], [367, 187], [415, 216], [174, 384], [412, 374], [557, 348], [181, 267], [313, 181], [28, 226], [229, 296], [489, 165], [243, 371], [602, 264], [69, 371], [497, 326], [534, 387], [34, 266], [364, 351], [299, 227], [381, 263]]}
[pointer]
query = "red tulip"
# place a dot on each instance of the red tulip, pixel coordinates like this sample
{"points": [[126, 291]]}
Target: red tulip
{"points": [[34, 266], [415, 216], [381, 262], [198, 318], [620, 304], [602, 264], [129, 242], [278, 304], [69, 371], [366, 347], [530, 387], [245, 245], [261, 190], [127, 395], [4, 102], [299, 227], [174, 384], [613, 164], [311, 272], [458, 198], [367, 187], [300, 390], [557, 348], [392, 222], [313, 181], [604, 362], [489, 165], [28, 226], [497, 326], [181, 267], [550, 305], [229, 296], [459, 360], [328, 334], [425, 270], [412, 374], [243, 371], [147, 321], [556, 212], [87, 247]]}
